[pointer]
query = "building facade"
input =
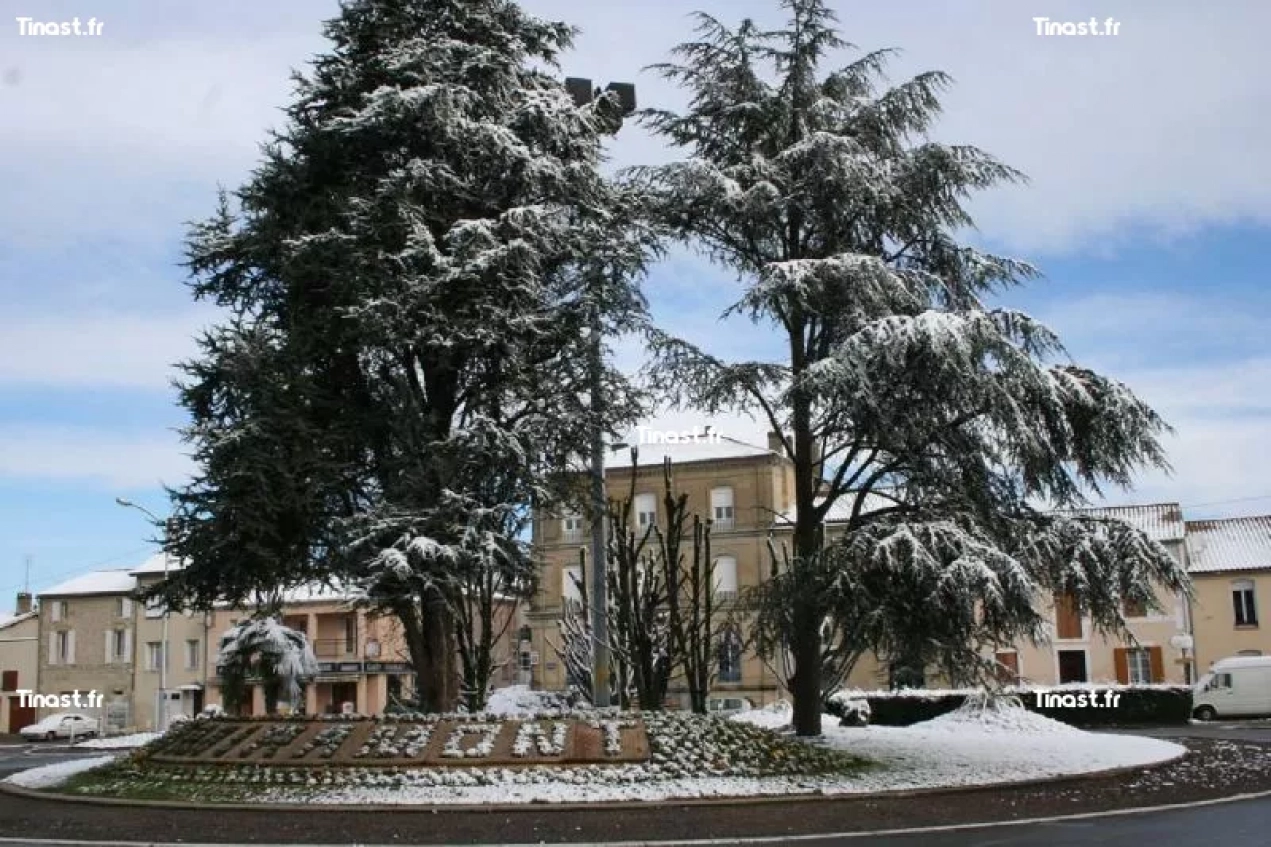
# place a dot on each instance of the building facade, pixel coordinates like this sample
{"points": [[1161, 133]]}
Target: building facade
{"points": [[19, 664], [86, 636], [1230, 564], [184, 681], [747, 490]]}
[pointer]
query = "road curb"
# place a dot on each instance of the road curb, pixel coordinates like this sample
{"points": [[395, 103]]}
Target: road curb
{"points": [[718, 842], [539, 807]]}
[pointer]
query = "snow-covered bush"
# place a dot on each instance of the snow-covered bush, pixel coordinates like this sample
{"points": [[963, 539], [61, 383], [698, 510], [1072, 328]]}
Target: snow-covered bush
{"points": [[264, 646]]}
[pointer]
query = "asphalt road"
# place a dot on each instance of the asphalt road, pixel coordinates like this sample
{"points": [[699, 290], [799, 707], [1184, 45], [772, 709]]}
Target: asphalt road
{"points": [[20, 757]]}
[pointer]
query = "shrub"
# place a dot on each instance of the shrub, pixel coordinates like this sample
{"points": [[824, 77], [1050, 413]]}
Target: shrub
{"points": [[1137, 705]]}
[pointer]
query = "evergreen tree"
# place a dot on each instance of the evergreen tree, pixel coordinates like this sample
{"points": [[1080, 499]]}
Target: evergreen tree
{"points": [[412, 271], [930, 420]]}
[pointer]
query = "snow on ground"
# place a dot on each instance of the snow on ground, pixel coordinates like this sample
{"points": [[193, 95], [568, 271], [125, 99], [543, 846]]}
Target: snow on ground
{"points": [[521, 700], [47, 776], [119, 742], [976, 746]]}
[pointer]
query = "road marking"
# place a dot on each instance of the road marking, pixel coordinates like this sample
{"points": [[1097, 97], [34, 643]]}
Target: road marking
{"points": [[712, 842]]}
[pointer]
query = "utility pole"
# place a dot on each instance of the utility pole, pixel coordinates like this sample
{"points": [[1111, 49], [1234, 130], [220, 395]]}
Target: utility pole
{"points": [[583, 94]]}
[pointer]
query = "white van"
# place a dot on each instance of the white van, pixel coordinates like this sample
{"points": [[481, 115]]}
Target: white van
{"points": [[1235, 687]]}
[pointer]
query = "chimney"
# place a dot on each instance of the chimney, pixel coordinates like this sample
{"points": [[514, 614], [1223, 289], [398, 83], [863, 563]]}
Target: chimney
{"points": [[24, 602]]}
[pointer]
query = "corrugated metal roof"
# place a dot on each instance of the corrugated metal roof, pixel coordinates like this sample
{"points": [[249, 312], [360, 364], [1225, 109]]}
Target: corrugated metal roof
{"points": [[1229, 544], [1159, 521]]}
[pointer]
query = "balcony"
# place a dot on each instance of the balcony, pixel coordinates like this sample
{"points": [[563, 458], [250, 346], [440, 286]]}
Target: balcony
{"points": [[334, 648]]}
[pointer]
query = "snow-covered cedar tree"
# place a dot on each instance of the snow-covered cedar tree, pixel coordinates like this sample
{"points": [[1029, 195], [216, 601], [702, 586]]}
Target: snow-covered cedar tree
{"points": [[411, 276], [263, 646], [930, 420]]}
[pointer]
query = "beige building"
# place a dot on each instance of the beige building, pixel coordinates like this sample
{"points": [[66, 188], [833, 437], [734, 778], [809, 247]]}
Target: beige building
{"points": [[747, 490], [1230, 564], [19, 664], [86, 641], [185, 653]]}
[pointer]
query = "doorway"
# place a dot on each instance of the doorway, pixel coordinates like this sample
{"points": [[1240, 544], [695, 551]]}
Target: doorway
{"points": [[1072, 666]]}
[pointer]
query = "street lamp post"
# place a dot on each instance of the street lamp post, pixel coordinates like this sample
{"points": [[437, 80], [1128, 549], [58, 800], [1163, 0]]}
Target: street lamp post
{"points": [[583, 94], [162, 717]]}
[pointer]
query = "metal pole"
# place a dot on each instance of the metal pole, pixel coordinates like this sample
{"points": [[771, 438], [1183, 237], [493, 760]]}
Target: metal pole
{"points": [[600, 506], [583, 93], [163, 639]]}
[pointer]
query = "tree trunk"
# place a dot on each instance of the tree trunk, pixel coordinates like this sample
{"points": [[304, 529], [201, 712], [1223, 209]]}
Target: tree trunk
{"points": [[805, 645]]}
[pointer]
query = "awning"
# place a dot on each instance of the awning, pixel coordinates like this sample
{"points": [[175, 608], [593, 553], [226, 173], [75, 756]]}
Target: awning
{"points": [[191, 686]]}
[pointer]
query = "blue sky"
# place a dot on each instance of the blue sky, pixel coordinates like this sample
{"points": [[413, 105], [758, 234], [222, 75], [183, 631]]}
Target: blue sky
{"points": [[1148, 210]]}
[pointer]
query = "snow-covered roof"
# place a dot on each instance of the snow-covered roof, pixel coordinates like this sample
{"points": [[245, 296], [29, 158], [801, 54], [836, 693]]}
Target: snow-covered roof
{"points": [[94, 582], [154, 565], [7, 620], [1159, 521], [1230, 544], [841, 511], [705, 449], [309, 593]]}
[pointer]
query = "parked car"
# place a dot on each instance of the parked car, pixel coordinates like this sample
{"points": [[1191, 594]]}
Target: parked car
{"points": [[1235, 687], [61, 725]]}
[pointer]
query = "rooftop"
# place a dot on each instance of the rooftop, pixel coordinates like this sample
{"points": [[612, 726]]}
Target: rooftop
{"points": [[1159, 521], [7, 619], [94, 582], [1230, 544], [155, 565], [711, 448]]}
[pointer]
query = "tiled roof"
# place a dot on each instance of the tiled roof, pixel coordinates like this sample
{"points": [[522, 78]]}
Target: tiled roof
{"points": [[1160, 521], [94, 582], [1231, 544]]}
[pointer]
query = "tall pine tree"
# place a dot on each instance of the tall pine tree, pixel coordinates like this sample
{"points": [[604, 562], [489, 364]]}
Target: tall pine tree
{"points": [[412, 270], [931, 421]]}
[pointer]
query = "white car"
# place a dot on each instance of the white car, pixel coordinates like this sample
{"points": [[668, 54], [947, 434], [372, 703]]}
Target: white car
{"points": [[61, 725]]}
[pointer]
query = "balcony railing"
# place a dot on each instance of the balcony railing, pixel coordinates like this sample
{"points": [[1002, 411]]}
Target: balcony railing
{"points": [[334, 648]]}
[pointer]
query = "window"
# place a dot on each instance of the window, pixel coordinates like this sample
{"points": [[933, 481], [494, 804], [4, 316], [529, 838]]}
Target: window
{"points": [[526, 664], [646, 509], [1067, 617], [154, 655], [154, 608], [124, 609], [62, 647], [350, 634], [570, 587], [192, 654], [1243, 603], [9, 681], [1138, 663], [1133, 609], [722, 507], [57, 610], [572, 526], [725, 578], [118, 646], [1007, 668], [730, 656]]}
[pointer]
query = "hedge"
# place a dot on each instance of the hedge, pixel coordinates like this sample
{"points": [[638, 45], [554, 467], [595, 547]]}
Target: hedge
{"points": [[1136, 706]]}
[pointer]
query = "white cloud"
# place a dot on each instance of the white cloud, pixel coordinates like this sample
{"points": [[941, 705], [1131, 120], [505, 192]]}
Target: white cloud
{"points": [[1159, 129], [116, 461], [99, 349]]}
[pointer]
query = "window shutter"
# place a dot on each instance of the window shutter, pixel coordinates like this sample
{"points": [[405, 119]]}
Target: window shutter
{"points": [[127, 608], [1158, 664], [109, 639], [1120, 661], [55, 611], [127, 646], [70, 647], [52, 648]]}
